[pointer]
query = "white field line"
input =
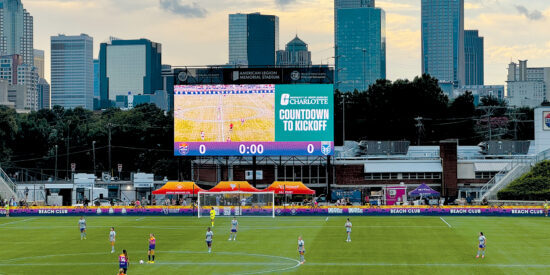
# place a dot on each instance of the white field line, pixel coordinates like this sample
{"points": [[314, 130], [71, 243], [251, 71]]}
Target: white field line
{"points": [[445, 222], [17, 221]]}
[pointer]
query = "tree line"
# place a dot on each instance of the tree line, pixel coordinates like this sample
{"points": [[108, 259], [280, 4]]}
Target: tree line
{"points": [[420, 112], [142, 138]]}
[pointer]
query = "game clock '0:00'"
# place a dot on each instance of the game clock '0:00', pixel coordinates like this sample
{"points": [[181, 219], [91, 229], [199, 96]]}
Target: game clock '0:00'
{"points": [[253, 149]]}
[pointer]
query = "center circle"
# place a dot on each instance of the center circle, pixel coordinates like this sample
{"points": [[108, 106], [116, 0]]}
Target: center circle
{"points": [[274, 264]]}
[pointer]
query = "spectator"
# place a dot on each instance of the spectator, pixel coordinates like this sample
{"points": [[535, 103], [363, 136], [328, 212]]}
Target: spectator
{"points": [[367, 200], [469, 199], [138, 204]]}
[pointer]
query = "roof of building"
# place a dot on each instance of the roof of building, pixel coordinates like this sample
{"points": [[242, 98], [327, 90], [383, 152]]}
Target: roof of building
{"points": [[296, 42]]}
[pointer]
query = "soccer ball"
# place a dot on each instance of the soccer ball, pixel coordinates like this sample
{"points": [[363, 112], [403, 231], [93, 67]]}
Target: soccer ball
{"points": [[140, 261]]}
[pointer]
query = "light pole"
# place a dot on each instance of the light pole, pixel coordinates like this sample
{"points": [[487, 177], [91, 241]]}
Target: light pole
{"points": [[93, 149], [109, 125]]}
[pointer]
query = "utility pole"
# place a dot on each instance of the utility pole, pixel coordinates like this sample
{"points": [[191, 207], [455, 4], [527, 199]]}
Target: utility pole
{"points": [[93, 149], [109, 125], [420, 128], [343, 118], [68, 145], [55, 175]]}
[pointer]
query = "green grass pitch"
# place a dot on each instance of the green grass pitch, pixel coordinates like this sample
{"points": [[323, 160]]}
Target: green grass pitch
{"points": [[380, 245]]}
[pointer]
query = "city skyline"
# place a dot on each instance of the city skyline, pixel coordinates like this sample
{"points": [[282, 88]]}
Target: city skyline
{"points": [[196, 34]]}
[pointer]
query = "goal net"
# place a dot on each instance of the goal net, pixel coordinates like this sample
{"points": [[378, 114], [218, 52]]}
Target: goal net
{"points": [[237, 203]]}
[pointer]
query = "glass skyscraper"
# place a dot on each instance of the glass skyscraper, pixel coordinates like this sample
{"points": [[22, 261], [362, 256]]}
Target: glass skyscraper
{"points": [[72, 72], [129, 66], [16, 31], [253, 39], [443, 41], [473, 57], [360, 47]]}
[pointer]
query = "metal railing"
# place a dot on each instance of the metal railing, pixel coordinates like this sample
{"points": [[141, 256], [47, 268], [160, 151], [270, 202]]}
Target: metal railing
{"points": [[6, 181], [512, 171]]}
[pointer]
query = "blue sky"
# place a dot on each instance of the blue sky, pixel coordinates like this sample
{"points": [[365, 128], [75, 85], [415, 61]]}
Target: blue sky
{"points": [[194, 32]]}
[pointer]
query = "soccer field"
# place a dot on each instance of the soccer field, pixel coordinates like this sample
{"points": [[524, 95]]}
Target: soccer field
{"points": [[380, 245]]}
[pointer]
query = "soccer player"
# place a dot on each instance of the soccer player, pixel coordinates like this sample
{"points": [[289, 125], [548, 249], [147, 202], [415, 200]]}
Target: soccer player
{"points": [[82, 225], [121, 272], [7, 210], [209, 235], [482, 243], [546, 208], [112, 237], [151, 252], [348, 230], [123, 261], [234, 227], [301, 249], [212, 216]]}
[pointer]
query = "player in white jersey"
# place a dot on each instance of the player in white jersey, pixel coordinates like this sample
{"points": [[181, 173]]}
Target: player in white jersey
{"points": [[301, 249], [348, 230], [234, 227], [82, 226], [482, 244], [209, 235], [112, 239]]}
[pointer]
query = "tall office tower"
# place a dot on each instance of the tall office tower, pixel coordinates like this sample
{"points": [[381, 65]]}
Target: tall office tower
{"points": [[473, 58], [16, 30], [129, 66], [72, 72], [360, 46], [443, 41], [253, 39]]}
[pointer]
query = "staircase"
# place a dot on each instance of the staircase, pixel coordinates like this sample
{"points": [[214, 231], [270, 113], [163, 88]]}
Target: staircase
{"points": [[510, 173], [7, 187]]}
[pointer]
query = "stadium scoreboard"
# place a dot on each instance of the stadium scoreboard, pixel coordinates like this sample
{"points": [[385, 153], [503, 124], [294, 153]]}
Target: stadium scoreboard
{"points": [[253, 120]]}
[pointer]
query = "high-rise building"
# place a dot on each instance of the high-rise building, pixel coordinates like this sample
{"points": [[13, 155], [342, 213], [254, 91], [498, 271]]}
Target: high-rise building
{"points": [[96, 84], [16, 72], [168, 84], [527, 86], [129, 66], [39, 62], [43, 94], [72, 72], [295, 54], [360, 47], [473, 58], [443, 40], [253, 39], [16, 31]]}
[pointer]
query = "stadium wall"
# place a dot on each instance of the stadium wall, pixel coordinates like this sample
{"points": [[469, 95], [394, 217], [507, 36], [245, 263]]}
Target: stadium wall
{"points": [[282, 211]]}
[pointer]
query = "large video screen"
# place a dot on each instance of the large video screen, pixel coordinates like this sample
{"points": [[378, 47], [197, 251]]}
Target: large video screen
{"points": [[249, 120]]}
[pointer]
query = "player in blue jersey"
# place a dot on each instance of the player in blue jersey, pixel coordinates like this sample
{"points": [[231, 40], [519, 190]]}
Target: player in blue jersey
{"points": [[209, 235], [82, 226], [234, 228], [482, 243]]}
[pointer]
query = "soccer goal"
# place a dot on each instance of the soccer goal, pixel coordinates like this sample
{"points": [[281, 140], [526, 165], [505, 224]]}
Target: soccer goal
{"points": [[228, 204]]}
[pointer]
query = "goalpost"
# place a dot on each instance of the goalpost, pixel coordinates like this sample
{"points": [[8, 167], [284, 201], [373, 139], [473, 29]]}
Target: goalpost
{"points": [[237, 203]]}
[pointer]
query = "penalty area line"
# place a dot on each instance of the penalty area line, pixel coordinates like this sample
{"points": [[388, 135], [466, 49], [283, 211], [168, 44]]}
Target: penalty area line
{"points": [[17, 221], [445, 222]]}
